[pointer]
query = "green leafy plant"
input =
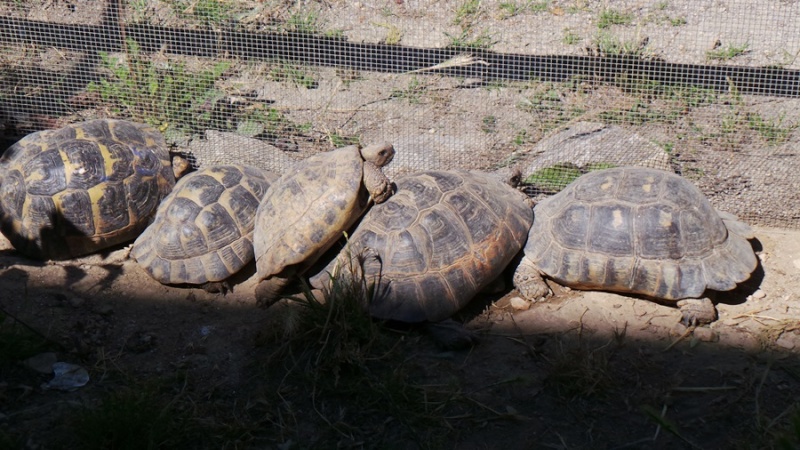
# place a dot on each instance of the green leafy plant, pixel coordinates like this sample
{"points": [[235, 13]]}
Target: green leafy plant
{"points": [[728, 52], [161, 96], [773, 131], [570, 38], [466, 13], [466, 39], [609, 17], [294, 74]]}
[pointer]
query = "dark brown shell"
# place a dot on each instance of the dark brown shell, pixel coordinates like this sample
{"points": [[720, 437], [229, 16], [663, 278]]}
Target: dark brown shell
{"points": [[441, 238], [639, 230], [203, 230], [82, 188]]}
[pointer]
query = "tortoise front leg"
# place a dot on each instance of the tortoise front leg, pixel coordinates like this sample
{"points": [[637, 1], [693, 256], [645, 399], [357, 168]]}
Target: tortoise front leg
{"points": [[529, 281], [697, 311]]}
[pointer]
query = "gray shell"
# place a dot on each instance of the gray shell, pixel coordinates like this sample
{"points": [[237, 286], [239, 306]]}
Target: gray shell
{"points": [[639, 230], [203, 231], [441, 238], [83, 187]]}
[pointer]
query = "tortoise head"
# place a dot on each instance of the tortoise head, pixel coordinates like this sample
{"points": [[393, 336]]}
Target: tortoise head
{"points": [[379, 154]]}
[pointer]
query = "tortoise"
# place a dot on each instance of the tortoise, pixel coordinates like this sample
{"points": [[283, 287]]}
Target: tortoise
{"points": [[436, 243], [306, 211], [82, 188], [639, 231], [203, 230]]}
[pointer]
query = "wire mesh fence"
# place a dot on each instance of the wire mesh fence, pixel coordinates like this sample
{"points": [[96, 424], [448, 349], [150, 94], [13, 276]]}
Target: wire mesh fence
{"points": [[708, 89]]}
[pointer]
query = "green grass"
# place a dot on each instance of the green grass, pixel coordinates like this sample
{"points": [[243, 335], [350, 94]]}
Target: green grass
{"points": [[608, 44], [336, 354], [677, 21], [163, 97], [303, 22], [570, 38], [727, 53], [609, 17], [467, 39], [489, 124], [466, 13], [338, 140], [553, 179], [294, 74], [181, 102], [511, 9], [773, 131], [413, 92]]}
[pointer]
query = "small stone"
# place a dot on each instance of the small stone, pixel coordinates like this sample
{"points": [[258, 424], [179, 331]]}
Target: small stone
{"points": [[104, 309], [796, 263], [787, 341], [679, 329], [42, 363], [705, 334], [519, 304], [759, 294]]}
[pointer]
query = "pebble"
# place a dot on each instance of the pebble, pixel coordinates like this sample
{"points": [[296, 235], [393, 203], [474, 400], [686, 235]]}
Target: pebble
{"points": [[759, 294], [796, 263], [705, 334], [786, 340], [519, 304]]}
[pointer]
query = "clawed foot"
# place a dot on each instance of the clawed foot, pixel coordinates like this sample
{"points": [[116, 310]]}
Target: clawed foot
{"points": [[697, 311]]}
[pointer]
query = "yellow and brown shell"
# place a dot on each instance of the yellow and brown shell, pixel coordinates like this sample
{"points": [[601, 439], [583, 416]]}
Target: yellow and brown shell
{"points": [[438, 241], [203, 230], [82, 188]]}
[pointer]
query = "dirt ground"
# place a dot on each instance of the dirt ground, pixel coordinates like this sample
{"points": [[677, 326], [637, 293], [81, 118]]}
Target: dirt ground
{"points": [[583, 370]]}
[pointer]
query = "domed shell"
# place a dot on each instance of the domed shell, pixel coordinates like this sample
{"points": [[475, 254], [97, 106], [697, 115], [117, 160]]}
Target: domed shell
{"points": [[307, 209], [441, 238], [203, 230], [639, 230], [82, 188]]}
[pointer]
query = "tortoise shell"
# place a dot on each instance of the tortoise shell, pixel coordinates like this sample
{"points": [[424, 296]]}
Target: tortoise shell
{"points": [[203, 230], [82, 188], [308, 208], [638, 230], [438, 241]]}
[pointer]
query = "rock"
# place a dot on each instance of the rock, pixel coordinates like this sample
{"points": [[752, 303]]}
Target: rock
{"points": [[759, 294], [787, 341], [796, 263], [586, 143], [705, 334], [228, 148], [519, 304]]}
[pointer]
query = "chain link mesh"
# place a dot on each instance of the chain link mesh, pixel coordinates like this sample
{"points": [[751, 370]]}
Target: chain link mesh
{"points": [[708, 89]]}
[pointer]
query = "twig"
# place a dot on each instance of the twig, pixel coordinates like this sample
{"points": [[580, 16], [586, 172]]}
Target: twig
{"points": [[464, 59], [680, 338]]}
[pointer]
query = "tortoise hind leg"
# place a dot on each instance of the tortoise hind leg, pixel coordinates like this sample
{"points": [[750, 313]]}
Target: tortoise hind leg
{"points": [[697, 311], [269, 290]]}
